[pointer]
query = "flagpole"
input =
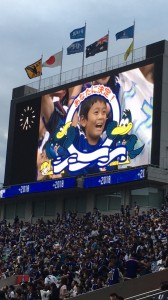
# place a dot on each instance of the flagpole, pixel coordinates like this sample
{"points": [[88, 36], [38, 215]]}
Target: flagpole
{"points": [[133, 44], [40, 72], [83, 53], [61, 66], [107, 51]]}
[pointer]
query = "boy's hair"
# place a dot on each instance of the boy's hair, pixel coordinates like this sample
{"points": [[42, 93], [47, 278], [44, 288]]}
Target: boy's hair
{"points": [[87, 104]]}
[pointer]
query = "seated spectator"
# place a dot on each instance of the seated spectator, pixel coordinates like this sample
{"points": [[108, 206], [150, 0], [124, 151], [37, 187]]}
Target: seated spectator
{"points": [[45, 292], [49, 278], [164, 291], [11, 292], [31, 291], [63, 288], [132, 267], [54, 292], [18, 294], [113, 296], [2, 295]]}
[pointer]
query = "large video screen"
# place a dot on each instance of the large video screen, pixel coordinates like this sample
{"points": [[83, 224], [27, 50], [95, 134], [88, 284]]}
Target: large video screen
{"points": [[97, 126], [91, 127]]}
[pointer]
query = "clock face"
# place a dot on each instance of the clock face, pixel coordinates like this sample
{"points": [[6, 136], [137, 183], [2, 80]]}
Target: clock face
{"points": [[27, 118]]}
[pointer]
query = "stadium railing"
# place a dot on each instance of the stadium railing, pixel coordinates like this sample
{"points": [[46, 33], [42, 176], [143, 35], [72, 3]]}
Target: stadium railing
{"points": [[89, 70], [148, 295]]}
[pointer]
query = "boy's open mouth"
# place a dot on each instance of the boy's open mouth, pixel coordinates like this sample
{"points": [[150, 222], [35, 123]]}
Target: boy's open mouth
{"points": [[99, 125]]}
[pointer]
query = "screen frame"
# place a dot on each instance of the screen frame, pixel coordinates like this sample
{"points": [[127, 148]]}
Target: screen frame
{"points": [[11, 179]]}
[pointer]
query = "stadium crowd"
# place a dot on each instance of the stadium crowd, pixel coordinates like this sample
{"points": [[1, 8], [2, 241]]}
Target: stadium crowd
{"points": [[72, 255]]}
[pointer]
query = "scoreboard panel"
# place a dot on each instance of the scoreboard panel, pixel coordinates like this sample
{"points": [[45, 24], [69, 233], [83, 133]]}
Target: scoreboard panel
{"points": [[94, 126]]}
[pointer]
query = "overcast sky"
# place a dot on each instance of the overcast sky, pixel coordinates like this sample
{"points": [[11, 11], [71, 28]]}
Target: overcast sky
{"points": [[31, 28]]}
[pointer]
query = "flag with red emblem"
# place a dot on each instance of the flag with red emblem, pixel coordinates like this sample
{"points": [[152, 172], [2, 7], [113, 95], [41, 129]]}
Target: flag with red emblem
{"points": [[54, 61], [98, 46]]}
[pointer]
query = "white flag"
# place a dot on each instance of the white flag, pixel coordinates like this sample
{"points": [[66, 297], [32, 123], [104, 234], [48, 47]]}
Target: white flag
{"points": [[54, 60]]}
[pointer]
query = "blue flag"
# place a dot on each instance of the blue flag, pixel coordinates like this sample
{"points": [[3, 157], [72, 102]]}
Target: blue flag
{"points": [[78, 33], [76, 47], [126, 33]]}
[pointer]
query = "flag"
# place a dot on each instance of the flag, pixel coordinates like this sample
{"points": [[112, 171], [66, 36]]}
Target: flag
{"points": [[126, 33], [76, 47], [34, 70], [78, 33], [54, 60], [129, 50], [98, 46]]}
